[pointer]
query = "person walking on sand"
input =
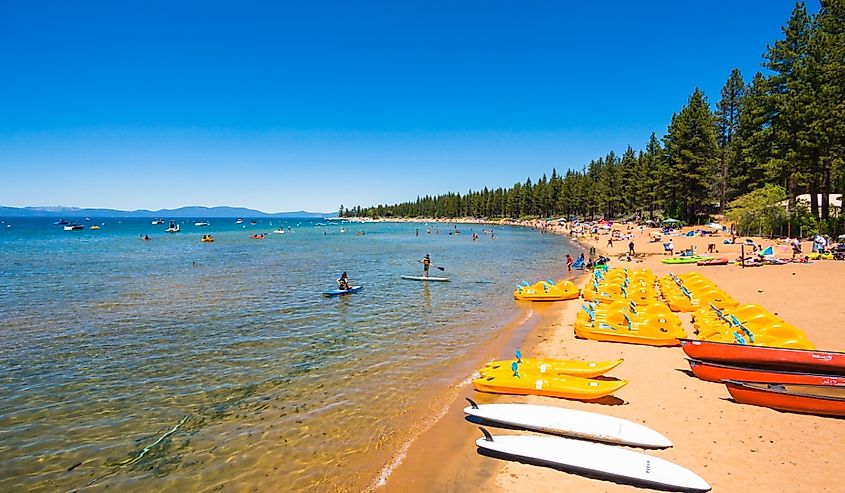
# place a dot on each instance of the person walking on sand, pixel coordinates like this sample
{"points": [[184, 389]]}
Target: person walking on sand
{"points": [[610, 242], [426, 261], [568, 262], [631, 248]]}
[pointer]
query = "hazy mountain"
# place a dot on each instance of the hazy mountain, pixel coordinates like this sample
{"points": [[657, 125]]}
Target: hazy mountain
{"points": [[190, 211]]}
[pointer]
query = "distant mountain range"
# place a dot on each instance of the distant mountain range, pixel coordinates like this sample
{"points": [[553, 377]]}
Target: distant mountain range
{"points": [[190, 211]]}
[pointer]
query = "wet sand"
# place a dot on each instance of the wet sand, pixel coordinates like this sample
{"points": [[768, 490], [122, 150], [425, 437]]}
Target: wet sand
{"points": [[732, 446]]}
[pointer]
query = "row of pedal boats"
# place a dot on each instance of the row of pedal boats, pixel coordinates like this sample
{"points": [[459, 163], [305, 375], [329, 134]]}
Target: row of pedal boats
{"points": [[583, 442], [788, 379]]}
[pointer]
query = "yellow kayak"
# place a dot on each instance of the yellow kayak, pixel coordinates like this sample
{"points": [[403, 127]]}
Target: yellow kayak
{"points": [[551, 367], [565, 386]]}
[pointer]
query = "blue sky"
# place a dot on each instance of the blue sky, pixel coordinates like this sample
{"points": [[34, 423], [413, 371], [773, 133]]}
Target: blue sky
{"points": [[305, 105]]}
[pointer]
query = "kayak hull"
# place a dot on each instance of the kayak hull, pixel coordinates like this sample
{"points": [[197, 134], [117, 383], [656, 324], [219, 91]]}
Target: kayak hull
{"points": [[716, 372], [827, 362], [807, 399], [685, 260]]}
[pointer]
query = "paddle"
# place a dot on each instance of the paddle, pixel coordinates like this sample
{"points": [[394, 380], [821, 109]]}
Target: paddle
{"points": [[435, 266]]}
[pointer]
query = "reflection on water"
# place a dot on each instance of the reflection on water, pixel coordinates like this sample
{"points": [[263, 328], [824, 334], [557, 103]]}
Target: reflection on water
{"points": [[171, 365]]}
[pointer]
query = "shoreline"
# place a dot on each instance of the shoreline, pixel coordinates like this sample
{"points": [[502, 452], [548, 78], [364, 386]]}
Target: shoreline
{"points": [[442, 457], [730, 445]]}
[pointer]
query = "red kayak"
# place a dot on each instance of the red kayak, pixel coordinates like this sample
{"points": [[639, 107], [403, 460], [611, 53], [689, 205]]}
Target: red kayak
{"points": [[806, 360], [713, 261], [715, 372], [809, 399]]}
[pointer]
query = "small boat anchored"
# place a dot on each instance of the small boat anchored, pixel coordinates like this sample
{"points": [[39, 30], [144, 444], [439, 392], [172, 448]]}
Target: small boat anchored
{"points": [[157, 221], [172, 228], [201, 223], [74, 227]]}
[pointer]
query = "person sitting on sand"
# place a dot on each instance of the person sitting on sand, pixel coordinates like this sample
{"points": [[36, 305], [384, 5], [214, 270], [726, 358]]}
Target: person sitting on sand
{"points": [[343, 282], [426, 261]]}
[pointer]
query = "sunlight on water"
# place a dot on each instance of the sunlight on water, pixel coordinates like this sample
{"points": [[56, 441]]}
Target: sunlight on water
{"points": [[173, 365]]}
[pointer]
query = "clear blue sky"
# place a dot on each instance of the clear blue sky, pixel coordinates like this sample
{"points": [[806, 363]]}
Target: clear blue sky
{"points": [[305, 105]]}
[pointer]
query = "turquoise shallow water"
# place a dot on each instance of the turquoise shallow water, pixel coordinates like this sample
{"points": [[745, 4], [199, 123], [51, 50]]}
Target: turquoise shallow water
{"points": [[171, 364]]}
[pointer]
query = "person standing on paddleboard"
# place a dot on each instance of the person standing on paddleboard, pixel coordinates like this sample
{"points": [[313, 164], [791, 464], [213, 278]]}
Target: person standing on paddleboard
{"points": [[426, 261]]}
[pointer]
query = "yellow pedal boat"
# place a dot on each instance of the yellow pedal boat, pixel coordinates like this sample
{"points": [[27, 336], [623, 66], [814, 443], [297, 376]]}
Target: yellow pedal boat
{"points": [[551, 367], [546, 291], [567, 387], [648, 335]]}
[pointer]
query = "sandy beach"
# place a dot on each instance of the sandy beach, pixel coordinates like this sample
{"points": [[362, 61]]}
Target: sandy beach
{"points": [[732, 446]]}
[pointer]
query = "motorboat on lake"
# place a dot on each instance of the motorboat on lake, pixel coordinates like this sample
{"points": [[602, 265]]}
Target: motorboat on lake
{"points": [[172, 228], [201, 223], [61, 222], [158, 221], [74, 227]]}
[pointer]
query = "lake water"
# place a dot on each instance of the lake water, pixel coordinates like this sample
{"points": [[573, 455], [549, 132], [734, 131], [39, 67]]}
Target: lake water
{"points": [[176, 365]]}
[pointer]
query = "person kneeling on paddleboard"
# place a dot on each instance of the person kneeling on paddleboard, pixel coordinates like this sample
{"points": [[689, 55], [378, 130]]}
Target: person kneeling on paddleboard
{"points": [[426, 261], [343, 282]]}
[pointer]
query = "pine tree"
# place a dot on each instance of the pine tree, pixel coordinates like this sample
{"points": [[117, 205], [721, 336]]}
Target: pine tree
{"points": [[752, 142], [826, 80], [692, 155], [727, 120], [787, 59]]}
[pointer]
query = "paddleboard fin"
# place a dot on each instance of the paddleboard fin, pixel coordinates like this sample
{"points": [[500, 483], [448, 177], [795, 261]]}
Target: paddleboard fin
{"points": [[471, 403], [487, 436]]}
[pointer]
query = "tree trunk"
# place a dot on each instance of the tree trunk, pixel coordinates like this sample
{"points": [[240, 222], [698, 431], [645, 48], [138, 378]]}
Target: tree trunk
{"points": [[814, 198], [826, 193]]}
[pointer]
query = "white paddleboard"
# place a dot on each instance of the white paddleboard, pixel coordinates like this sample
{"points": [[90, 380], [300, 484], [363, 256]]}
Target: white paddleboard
{"points": [[569, 422], [422, 278], [595, 460]]}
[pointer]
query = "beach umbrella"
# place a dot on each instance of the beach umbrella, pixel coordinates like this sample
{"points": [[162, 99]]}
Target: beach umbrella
{"points": [[669, 220]]}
